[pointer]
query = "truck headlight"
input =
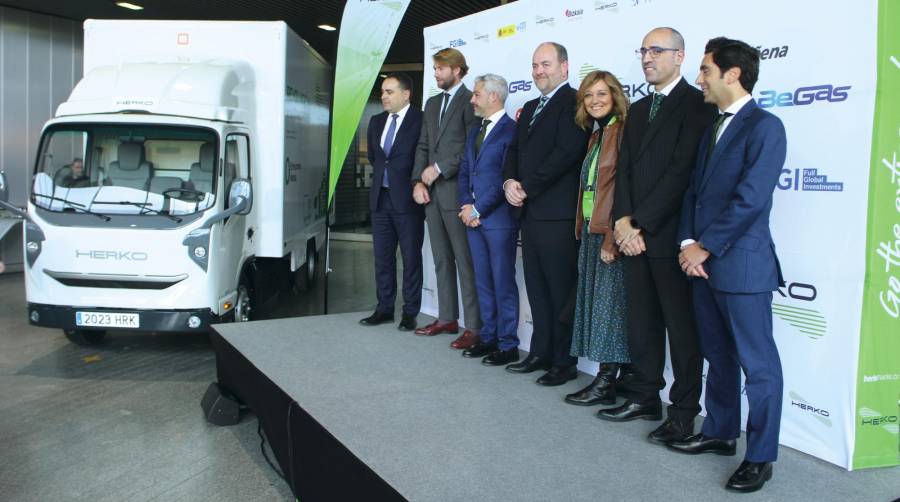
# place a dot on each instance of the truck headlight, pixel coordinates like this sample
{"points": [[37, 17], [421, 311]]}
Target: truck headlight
{"points": [[200, 252], [32, 247]]}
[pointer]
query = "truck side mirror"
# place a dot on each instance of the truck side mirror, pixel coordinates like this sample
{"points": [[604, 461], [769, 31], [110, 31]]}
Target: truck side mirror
{"points": [[241, 192], [4, 191]]}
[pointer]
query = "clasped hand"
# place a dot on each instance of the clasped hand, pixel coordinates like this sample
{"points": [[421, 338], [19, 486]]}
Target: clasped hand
{"points": [[468, 218], [514, 192], [628, 238], [691, 259]]}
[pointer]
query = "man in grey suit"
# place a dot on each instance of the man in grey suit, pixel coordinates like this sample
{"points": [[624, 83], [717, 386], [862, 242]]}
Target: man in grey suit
{"points": [[448, 116]]}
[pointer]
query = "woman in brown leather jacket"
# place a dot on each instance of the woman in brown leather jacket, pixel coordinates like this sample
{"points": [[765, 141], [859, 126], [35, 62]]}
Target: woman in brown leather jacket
{"points": [[599, 328]]}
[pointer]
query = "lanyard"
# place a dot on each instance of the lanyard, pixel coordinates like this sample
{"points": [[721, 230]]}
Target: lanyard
{"points": [[595, 153]]}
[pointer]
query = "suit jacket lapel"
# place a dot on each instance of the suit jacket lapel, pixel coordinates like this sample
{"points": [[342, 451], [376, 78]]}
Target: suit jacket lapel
{"points": [[401, 131], [734, 127], [669, 105], [552, 102], [495, 132], [454, 105]]}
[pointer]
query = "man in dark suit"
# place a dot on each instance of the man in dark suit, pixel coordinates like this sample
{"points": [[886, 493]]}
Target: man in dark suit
{"points": [[492, 226], [727, 250], [396, 219], [657, 156], [448, 116], [541, 172]]}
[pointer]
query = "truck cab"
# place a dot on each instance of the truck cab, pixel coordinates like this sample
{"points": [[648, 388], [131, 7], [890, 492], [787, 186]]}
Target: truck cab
{"points": [[141, 214]]}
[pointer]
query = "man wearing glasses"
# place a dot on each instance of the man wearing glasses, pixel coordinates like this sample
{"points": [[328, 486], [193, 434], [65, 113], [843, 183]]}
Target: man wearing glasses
{"points": [[657, 157]]}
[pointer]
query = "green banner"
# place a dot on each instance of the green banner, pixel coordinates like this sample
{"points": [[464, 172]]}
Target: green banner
{"points": [[878, 378], [367, 30]]}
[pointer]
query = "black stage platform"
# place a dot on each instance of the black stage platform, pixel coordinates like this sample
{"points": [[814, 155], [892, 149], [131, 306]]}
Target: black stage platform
{"points": [[356, 413]]}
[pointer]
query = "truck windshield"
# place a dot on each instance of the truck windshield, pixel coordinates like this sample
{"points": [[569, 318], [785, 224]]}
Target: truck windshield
{"points": [[126, 169]]}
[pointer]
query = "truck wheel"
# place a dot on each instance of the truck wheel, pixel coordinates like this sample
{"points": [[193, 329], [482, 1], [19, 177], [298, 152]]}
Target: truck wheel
{"points": [[305, 276], [312, 262], [84, 337], [243, 306]]}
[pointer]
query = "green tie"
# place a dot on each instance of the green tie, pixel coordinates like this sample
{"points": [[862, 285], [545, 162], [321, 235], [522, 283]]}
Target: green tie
{"points": [[715, 133], [481, 134], [657, 102]]}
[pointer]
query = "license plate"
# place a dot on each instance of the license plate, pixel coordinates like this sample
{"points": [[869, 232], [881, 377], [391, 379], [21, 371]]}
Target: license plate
{"points": [[108, 319]]}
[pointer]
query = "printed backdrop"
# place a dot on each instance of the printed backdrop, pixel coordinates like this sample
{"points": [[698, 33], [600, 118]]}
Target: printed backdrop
{"points": [[823, 89]]}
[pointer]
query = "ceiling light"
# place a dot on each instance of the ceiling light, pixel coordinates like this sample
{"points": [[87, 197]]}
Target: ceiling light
{"points": [[327, 27], [129, 6]]}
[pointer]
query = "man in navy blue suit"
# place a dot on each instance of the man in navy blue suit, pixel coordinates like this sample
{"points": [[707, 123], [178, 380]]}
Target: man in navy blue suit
{"points": [[396, 219], [727, 250], [491, 224]]}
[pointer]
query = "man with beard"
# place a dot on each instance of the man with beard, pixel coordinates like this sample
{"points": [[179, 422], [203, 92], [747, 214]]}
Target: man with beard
{"points": [[447, 118]]}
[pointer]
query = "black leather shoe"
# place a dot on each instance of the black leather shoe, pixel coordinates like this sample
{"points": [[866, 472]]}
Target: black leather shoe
{"points": [[407, 323], [671, 430], [528, 365], [632, 411], [697, 444], [558, 376], [377, 318], [480, 350], [750, 476], [501, 357]]}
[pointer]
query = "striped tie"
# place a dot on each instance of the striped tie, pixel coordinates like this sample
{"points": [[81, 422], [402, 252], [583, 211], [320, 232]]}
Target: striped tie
{"points": [[537, 110]]}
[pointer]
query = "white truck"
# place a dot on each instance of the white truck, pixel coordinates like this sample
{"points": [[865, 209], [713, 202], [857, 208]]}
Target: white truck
{"points": [[186, 169]]}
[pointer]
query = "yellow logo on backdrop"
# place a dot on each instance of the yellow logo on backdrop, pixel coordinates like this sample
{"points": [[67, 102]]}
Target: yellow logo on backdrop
{"points": [[506, 31]]}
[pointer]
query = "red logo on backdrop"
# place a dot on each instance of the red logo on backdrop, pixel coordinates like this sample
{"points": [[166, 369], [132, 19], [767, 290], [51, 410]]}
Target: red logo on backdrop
{"points": [[518, 112], [183, 39]]}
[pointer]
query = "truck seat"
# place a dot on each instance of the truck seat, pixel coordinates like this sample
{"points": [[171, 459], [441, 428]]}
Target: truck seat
{"points": [[130, 170], [202, 172], [159, 184]]}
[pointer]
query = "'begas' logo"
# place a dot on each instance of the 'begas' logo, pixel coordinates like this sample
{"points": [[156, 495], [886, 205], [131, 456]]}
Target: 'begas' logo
{"points": [[803, 96]]}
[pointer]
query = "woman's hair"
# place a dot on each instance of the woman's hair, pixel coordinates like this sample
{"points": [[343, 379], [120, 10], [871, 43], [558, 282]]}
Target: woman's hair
{"points": [[620, 101]]}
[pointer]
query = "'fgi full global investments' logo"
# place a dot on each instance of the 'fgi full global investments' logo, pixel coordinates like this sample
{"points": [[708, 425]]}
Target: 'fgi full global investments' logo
{"points": [[457, 43], [808, 180], [803, 96]]}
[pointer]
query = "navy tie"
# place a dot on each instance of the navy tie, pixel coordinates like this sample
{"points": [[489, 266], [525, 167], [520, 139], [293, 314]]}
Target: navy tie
{"points": [[537, 110], [388, 143]]}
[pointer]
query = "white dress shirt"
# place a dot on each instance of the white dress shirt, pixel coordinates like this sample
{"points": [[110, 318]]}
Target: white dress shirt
{"points": [[387, 125]]}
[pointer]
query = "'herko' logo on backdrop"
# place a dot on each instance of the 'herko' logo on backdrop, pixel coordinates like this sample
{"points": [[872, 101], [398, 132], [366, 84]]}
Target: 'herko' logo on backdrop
{"points": [[808, 180], [873, 418], [457, 43], [804, 320], [804, 406], [481, 37], [519, 85], [544, 21], [803, 96], [637, 91], [605, 5]]}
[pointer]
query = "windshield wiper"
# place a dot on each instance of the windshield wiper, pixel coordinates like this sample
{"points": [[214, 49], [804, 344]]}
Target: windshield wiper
{"points": [[73, 205], [143, 205]]}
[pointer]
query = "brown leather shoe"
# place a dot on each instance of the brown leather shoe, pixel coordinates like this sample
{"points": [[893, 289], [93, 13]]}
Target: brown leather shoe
{"points": [[438, 327], [465, 340]]}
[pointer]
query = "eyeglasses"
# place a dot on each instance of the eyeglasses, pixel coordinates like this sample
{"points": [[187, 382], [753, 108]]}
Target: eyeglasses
{"points": [[654, 51]]}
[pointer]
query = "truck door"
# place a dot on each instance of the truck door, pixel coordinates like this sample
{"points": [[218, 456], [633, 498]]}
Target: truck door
{"points": [[235, 238]]}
